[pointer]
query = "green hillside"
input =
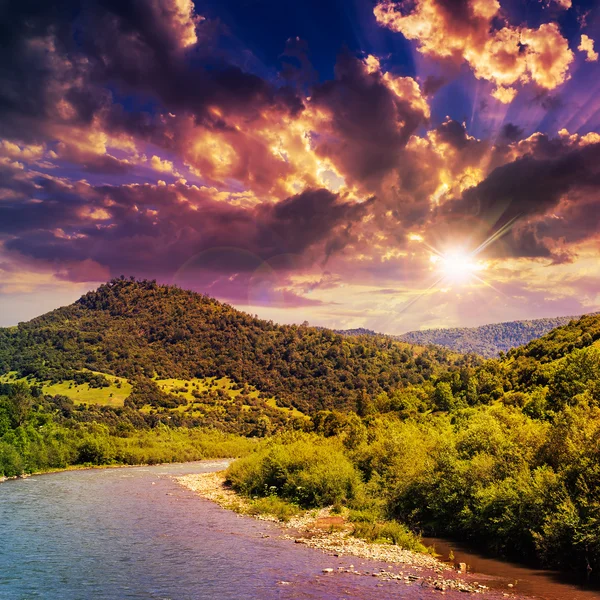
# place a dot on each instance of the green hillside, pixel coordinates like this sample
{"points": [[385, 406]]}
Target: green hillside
{"points": [[114, 393], [142, 330]]}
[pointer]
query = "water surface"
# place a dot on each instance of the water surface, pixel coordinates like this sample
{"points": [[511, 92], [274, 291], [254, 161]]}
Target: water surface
{"points": [[537, 583], [134, 533]]}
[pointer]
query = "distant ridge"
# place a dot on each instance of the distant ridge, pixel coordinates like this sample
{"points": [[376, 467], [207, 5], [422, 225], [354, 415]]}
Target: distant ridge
{"points": [[359, 331], [485, 340]]}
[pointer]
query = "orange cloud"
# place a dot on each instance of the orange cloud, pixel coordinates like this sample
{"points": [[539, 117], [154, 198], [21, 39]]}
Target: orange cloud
{"points": [[565, 4], [506, 56], [163, 166], [587, 46]]}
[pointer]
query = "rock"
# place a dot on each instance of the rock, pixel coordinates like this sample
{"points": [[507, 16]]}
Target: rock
{"points": [[462, 567], [328, 570]]}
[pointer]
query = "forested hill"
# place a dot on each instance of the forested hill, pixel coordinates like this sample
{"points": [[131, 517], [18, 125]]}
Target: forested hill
{"points": [[486, 340], [139, 330]]}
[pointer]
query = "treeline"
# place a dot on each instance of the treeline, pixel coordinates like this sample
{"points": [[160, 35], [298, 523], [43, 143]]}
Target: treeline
{"points": [[39, 433], [486, 340], [141, 329]]}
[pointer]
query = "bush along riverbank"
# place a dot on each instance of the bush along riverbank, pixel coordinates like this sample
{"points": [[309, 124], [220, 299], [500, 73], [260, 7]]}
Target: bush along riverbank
{"points": [[330, 530], [520, 487], [40, 434]]}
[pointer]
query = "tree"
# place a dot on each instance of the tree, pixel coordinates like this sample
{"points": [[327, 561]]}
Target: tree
{"points": [[21, 402], [443, 397]]}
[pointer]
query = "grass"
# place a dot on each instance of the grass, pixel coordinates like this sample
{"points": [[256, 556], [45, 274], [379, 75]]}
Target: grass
{"points": [[274, 506], [163, 445], [294, 411], [185, 387], [389, 532], [113, 395]]}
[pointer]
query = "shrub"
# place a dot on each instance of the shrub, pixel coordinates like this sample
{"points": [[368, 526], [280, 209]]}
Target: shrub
{"points": [[273, 505], [389, 532], [309, 471], [11, 463]]}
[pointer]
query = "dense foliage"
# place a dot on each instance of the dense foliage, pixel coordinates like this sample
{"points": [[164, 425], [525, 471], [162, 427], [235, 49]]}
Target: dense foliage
{"points": [[486, 340], [309, 471], [141, 329], [521, 487], [505, 454], [36, 435]]}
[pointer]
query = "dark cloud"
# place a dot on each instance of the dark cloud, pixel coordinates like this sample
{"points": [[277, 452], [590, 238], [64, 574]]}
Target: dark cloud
{"points": [[453, 133], [510, 133], [432, 84], [529, 190], [370, 123], [62, 63], [152, 230]]}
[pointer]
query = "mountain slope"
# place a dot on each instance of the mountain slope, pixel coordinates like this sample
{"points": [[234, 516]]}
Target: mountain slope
{"points": [[486, 340], [139, 330]]}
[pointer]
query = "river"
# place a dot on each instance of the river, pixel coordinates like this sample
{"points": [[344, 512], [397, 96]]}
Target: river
{"points": [[537, 583], [134, 533]]}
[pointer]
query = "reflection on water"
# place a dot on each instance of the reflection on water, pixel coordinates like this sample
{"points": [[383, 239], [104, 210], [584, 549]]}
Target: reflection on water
{"points": [[544, 585]]}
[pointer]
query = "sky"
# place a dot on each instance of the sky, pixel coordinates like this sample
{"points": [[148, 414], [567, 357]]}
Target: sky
{"points": [[350, 163]]}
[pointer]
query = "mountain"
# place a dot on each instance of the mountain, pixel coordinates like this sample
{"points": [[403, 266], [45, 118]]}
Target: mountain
{"points": [[486, 340], [140, 332]]}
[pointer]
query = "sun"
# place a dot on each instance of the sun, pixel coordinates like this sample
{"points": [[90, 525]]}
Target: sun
{"points": [[456, 266]]}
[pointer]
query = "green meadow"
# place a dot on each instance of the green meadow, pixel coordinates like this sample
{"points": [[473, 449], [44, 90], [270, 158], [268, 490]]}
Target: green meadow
{"points": [[120, 389], [113, 395]]}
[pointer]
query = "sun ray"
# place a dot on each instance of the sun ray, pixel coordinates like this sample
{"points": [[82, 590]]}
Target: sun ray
{"points": [[502, 231], [417, 298]]}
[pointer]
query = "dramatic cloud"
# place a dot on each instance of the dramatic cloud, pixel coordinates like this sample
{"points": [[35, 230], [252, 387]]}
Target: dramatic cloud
{"points": [[142, 137], [465, 30], [368, 118], [154, 230], [546, 190]]}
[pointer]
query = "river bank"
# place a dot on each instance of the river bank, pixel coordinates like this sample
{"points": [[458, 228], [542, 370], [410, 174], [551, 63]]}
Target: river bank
{"points": [[331, 534], [83, 468], [136, 532]]}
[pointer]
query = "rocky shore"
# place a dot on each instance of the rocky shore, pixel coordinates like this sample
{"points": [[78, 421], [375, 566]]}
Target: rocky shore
{"points": [[331, 534]]}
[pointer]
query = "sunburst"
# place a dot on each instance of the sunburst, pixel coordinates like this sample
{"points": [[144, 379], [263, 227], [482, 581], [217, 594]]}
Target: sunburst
{"points": [[456, 266]]}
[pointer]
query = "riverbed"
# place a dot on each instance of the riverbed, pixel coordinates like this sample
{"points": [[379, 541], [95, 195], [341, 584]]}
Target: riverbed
{"points": [[134, 533]]}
